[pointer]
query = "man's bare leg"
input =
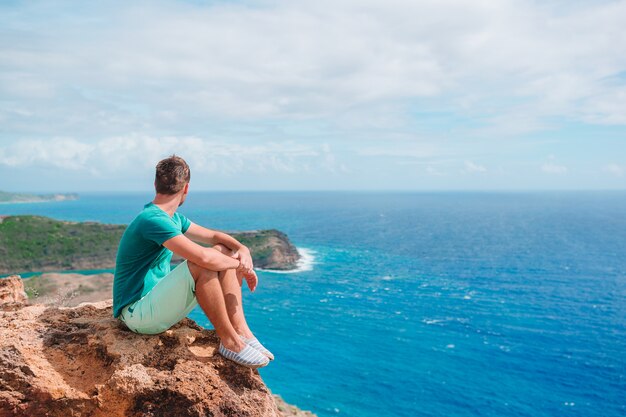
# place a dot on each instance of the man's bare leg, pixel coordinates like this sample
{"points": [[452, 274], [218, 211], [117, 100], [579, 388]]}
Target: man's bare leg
{"points": [[231, 287], [211, 300]]}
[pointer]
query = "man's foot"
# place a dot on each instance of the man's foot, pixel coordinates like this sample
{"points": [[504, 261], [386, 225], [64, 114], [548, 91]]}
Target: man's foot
{"points": [[248, 356], [254, 342]]}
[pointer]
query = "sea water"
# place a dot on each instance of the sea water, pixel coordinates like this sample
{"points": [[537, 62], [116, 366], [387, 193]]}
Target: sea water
{"points": [[428, 304]]}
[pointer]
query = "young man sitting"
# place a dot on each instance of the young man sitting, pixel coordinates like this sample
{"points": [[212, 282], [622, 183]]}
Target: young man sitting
{"points": [[149, 297]]}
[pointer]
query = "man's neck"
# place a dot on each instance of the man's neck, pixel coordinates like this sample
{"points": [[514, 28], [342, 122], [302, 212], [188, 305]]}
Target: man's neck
{"points": [[167, 203]]}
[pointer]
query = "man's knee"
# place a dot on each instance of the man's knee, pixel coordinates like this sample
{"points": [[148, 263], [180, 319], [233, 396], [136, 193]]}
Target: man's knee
{"points": [[198, 272], [223, 249]]}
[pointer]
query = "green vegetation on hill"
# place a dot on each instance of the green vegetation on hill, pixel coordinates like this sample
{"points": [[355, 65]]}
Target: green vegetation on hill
{"points": [[36, 243]]}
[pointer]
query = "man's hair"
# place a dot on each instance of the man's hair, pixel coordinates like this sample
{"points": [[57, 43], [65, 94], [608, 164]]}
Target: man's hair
{"points": [[172, 173]]}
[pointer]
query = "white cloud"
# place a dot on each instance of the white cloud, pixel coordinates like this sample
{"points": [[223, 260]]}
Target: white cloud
{"points": [[551, 168], [432, 171], [121, 67], [290, 86], [330, 161], [111, 156], [400, 150], [65, 153], [614, 169], [471, 167]]}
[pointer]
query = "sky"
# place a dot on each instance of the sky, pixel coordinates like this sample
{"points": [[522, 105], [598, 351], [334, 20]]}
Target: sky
{"points": [[314, 95]]}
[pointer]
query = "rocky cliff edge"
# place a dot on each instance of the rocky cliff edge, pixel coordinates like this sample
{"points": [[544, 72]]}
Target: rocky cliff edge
{"points": [[80, 361]]}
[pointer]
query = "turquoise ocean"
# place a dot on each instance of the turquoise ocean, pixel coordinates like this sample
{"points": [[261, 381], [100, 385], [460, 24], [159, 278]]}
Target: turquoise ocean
{"points": [[427, 304]]}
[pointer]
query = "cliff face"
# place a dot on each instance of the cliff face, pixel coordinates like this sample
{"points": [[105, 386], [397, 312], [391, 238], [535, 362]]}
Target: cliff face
{"points": [[272, 249], [79, 361]]}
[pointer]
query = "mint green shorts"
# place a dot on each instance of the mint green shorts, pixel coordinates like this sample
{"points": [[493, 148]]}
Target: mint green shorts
{"points": [[171, 299]]}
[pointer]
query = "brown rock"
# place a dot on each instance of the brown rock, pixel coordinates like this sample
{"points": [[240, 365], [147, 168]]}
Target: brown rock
{"points": [[80, 361], [12, 293], [288, 410]]}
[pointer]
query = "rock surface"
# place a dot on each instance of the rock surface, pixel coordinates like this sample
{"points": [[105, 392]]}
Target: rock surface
{"points": [[68, 289], [80, 361], [12, 292]]}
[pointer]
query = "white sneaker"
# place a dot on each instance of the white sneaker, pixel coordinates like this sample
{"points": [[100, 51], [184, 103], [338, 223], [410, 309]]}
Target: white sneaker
{"points": [[249, 356], [254, 342]]}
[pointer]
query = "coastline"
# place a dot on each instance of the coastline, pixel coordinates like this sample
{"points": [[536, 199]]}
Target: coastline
{"points": [[40, 243], [305, 263], [36, 201], [17, 198], [97, 284]]}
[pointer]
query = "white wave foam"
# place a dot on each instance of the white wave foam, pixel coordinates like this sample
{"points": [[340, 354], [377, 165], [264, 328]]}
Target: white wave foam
{"points": [[444, 321], [432, 321], [305, 263]]}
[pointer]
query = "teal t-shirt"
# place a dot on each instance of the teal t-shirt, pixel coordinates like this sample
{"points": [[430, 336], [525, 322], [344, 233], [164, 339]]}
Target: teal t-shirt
{"points": [[141, 259]]}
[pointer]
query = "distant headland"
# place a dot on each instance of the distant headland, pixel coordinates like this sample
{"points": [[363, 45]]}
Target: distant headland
{"points": [[6, 197], [36, 244]]}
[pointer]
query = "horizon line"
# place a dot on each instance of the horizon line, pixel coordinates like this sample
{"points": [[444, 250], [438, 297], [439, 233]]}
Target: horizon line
{"points": [[352, 190]]}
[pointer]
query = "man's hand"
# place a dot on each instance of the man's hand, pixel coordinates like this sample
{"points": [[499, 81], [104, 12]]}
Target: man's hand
{"points": [[245, 269], [243, 254], [251, 279]]}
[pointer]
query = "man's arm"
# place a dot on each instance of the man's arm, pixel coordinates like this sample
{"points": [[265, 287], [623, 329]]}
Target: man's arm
{"points": [[201, 234], [208, 258]]}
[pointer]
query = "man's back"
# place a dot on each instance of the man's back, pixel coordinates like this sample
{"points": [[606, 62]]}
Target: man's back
{"points": [[141, 259]]}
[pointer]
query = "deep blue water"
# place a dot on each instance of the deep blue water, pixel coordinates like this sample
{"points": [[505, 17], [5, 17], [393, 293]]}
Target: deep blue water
{"points": [[429, 304]]}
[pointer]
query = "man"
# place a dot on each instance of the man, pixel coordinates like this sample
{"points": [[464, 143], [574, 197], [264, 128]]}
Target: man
{"points": [[149, 298]]}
